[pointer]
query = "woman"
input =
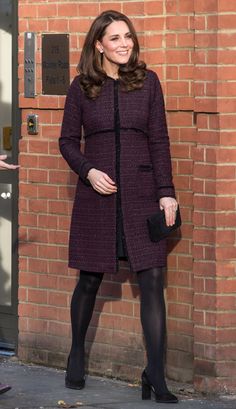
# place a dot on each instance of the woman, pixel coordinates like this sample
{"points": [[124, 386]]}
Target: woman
{"points": [[124, 175]]}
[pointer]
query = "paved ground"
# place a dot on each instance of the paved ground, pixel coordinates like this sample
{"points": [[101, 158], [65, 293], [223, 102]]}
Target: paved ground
{"points": [[36, 387]]}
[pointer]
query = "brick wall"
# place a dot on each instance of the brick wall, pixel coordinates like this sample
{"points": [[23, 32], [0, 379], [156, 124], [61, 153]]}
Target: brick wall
{"points": [[214, 199], [190, 44]]}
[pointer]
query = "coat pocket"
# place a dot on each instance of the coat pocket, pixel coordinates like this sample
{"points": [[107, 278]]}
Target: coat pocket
{"points": [[146, 181], [145, 168]]}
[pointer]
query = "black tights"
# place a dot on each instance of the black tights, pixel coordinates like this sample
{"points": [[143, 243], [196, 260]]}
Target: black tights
{"points": [[81, 311], [152, 318]]}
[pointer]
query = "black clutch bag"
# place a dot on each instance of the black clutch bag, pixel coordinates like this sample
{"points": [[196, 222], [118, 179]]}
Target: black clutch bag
{"points": [[157, 227]]}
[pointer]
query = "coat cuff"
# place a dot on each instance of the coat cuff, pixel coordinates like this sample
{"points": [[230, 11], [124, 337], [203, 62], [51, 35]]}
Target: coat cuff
{"points": [[84, 173], [167, 191]]}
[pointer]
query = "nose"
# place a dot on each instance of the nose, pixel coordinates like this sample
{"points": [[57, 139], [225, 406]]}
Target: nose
{"points": [[124, 42]]}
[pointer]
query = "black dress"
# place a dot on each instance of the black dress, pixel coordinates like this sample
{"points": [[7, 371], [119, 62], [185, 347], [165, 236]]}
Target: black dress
{"points": [[121, 249]]}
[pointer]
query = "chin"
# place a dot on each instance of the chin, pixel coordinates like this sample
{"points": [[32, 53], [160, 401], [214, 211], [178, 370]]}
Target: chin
{"points": [[123, 60]]}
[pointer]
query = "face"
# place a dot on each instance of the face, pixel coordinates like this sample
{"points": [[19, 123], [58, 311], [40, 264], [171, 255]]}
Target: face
{"points": [[116, 45]]}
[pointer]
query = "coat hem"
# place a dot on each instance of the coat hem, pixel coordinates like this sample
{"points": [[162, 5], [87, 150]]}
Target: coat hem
{"points": [[111, 270]]}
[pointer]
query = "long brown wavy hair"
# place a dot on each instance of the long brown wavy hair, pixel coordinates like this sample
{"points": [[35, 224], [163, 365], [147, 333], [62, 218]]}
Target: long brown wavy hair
{"points": [[92, 75]]}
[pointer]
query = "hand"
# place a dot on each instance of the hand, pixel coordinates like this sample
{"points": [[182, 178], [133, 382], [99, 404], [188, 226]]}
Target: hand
{"points": [[169, 205], [101, 182], [4, 165]]}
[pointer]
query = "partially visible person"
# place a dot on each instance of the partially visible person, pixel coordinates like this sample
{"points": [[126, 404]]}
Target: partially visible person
{"points": [[3, 165], [4, 388]]}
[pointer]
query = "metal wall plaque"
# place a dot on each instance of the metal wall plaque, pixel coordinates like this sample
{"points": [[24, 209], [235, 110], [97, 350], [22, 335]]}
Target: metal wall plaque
{"points": [[29, 65], [55, 64]]}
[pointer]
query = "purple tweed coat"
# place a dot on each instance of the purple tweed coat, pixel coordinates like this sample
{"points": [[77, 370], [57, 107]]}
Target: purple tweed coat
{"points": [[145, 173]]}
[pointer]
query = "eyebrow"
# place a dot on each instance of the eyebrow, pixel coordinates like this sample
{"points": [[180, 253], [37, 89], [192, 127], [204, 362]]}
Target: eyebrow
{"points": [[117, 35]]}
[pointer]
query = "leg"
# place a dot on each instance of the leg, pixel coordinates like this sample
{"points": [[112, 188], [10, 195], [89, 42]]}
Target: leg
{"points": [[153, 319], [82, 305]]}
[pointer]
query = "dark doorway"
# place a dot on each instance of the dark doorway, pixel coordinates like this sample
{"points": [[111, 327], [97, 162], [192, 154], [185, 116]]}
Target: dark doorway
{"points": [[9, 135]]}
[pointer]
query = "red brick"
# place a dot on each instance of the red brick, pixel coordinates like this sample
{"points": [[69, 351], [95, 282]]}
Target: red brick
{"points": [[186, 6], [36, 175], [47, 162], [226, 6], [226, 319], [47, 251], [47, 312], [57, 267], [185, 40], [79, 25], [27, 279], [37, 296], [60, 177], [225, 188], [112, 5], [57, 299], [37, 26], [91, 9], [47, 10], [177, 88], [48, 221], [186, 104], [38, 236], [51, 131], [46, 101], [177, 22], [201, 6], [134, 8], [226, 335], [153, 40], [47, 281], [226, 56], [151, 57], [38, 146], [47, 192], [25, 11], [58, 207], [28, 219], [177, 56], [58, 237], [68, 10], [153, 7], [38, 266], [58, 25], [226, 21], [227, 253], [171, 6], [153, 23]]}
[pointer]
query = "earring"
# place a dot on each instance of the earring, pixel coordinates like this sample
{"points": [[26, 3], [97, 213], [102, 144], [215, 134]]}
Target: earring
{"points": [[101, 51]]}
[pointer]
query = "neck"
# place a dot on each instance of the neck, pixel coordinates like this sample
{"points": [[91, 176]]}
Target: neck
{"points": [[112, 74], [110, 69]]}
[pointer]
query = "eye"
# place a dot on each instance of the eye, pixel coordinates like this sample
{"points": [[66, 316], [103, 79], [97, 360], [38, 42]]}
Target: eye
{"points": [[129, 35]]}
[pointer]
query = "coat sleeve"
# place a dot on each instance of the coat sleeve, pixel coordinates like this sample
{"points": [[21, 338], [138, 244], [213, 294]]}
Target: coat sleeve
{"points": [[159, 141], [71, 130]]}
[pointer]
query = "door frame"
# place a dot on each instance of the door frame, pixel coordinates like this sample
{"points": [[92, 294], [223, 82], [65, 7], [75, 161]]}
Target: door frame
{"points": [[10, 313]]}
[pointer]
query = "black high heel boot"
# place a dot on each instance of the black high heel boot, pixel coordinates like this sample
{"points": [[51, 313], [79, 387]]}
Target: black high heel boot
{"points": [[147, 388], [72, 384]]}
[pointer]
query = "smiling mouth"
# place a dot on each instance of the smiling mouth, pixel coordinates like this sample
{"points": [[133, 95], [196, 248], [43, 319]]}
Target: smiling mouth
{"points": [[122, 52]]}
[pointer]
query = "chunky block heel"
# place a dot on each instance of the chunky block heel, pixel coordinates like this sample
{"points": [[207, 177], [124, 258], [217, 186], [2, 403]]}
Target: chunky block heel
{"points": [[147, 388], [146, 391], [71, 383]]}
